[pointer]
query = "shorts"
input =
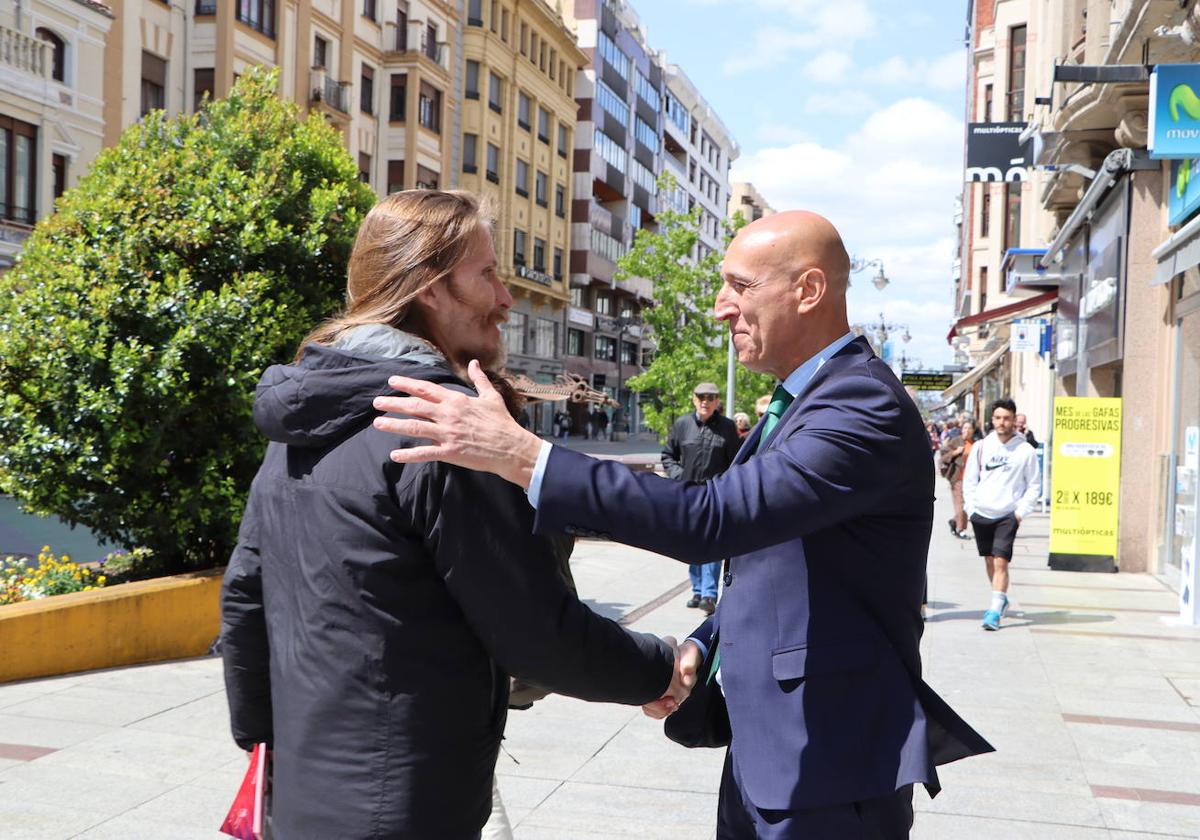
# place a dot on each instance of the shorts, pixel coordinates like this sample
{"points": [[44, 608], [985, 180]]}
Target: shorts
{"points": [[994, 537]]}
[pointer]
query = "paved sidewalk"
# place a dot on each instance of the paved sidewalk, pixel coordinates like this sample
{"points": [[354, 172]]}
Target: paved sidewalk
{"points": [[1092, 700]]}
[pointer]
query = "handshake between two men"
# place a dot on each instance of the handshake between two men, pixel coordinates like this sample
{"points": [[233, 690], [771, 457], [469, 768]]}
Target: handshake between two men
{"points": [[688, 659]]}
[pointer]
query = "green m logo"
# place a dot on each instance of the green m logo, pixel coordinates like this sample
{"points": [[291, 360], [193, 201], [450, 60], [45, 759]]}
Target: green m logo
{"points": [[1183, 97]]}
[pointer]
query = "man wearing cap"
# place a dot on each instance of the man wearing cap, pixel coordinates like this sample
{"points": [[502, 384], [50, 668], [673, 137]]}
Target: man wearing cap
{"points": [[701, 445]]}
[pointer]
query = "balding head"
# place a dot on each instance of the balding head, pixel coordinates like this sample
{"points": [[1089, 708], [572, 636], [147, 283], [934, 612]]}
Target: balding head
{"points": [[784, 294], [797, 240]]}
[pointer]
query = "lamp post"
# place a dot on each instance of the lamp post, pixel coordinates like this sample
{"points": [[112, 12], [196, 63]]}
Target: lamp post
{"points": [[623, 323], [858, 264], [881, 330]]}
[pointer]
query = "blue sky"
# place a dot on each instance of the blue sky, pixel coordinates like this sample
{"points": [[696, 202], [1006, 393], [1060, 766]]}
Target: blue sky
{"points": [[853, 109]]}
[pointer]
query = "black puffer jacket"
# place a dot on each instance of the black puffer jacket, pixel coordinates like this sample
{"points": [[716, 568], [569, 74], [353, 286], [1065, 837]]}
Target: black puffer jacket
{"points": [[372, 612]]}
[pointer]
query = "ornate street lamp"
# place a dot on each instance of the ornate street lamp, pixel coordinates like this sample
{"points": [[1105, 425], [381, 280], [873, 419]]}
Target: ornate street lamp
{"points": [[858, 264]]}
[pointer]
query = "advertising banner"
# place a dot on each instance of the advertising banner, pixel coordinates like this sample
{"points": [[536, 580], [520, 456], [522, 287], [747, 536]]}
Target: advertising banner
{"points": [[1175, 111], [1086, 471], [995, 152], [1025, 337], [926, 380], [1184, 197]]}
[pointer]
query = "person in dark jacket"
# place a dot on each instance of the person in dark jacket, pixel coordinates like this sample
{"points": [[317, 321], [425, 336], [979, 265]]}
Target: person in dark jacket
{"points": [[702, 445], [372, 613]]}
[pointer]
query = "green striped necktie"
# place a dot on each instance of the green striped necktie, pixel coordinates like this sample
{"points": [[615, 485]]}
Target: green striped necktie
{"points": [[780, 400]]}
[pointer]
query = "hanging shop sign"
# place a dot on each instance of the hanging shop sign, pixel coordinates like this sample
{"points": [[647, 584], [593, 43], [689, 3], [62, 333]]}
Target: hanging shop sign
{"points": [[1086, 477], [1175, 111], [1025, 337], [995, 152]]}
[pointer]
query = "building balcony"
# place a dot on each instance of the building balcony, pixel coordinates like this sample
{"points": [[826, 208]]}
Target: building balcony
{"points": [[24, 53], [206, 7], [413, 43], [605, 221], [330, 92]]}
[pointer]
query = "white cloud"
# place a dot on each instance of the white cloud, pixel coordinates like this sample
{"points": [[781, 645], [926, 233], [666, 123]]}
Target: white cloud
{"points": [[945, 72], [828, 67], [841, 104], [821, 25], [889, 187]]}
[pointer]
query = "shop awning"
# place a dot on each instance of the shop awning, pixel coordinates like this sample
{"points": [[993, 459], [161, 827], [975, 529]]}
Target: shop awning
{"points": [[973, 375], [1179, 253], [1003, 313]]}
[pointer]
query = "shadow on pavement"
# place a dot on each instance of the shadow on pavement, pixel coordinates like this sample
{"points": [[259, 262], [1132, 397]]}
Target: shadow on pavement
{"points": [[1023, 619]]}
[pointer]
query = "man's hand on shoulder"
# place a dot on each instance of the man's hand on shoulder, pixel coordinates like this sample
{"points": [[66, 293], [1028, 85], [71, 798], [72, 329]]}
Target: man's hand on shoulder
{"points": [[476, 433], [683, 679]]}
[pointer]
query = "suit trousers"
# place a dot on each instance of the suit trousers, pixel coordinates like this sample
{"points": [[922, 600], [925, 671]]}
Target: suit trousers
{"points": [[885, 818]]}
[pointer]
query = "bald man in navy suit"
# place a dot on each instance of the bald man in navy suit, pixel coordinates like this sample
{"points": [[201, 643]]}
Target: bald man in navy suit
{"points": [[826, 517]]}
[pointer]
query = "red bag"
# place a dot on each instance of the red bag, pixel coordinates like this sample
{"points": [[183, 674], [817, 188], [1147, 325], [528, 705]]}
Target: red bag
{"points": [[247, 815]]}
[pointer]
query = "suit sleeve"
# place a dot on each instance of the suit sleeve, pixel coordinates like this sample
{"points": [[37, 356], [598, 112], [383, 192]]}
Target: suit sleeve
{"points": [[672, 458], [839, 463], [244, 648], [510, 587]]}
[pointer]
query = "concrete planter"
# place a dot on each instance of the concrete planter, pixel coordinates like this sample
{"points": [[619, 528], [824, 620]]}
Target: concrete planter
{"points": [[146, 621]]}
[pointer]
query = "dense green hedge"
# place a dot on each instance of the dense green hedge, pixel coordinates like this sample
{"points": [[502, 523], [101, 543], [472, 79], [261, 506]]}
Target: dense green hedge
{"points": [[139, 317]]}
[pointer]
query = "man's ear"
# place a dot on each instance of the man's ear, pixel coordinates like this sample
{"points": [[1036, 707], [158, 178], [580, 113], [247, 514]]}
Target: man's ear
{"points": [[811, 288]]}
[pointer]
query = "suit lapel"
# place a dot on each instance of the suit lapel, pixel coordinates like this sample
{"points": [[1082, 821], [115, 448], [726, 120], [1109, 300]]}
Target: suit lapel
{"points": [[848, 355]]}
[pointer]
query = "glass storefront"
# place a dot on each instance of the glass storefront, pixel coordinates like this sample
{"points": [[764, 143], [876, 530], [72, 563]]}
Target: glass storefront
{"points": [[1183, 461]]}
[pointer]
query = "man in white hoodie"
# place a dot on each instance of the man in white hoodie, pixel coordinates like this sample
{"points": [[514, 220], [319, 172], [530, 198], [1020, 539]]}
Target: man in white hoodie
{"points": [[1000, 487]]}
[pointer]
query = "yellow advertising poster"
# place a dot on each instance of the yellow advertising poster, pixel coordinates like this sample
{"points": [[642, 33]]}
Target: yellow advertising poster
{"points": [[1085, 475]]}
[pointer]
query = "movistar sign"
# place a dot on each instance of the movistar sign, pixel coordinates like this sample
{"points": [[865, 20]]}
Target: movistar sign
{"points": [[1175, 111]]}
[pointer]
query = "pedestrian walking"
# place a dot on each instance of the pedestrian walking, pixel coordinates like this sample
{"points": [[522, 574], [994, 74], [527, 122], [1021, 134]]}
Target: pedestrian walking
{"points": [[742, 421], [825, 517], [1025, 432], [1000, 488], [372, 612], [701, 445]]}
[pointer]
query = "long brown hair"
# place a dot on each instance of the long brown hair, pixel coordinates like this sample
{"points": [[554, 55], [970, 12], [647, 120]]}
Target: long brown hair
{"points": [[408, 242]]}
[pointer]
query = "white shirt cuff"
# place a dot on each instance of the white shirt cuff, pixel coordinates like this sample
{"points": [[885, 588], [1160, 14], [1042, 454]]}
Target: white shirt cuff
{"points": [[539, 470]]}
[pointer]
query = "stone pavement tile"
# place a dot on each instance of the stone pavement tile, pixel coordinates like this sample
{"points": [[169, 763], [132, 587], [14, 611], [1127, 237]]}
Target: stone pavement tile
{"points": [[590, 810], [1129, 815], [86, 705], [521, 795], [1155, 691], [125, 827], [21, 692], [640, 755], [187, 807], [5, 763], [1027, 736], [43, 732], [94, 790], [1100, 744], [931, 826], [1145, 778], [992, 801], [225, 778], [1097, 704], [158, 756], [1015, 773], [24, 820], [551, 746], [207, 717], [174, 681]]}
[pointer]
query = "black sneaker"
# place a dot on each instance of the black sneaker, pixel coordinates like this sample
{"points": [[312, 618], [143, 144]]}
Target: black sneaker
{"points": [[693, 602], [708, 605]]}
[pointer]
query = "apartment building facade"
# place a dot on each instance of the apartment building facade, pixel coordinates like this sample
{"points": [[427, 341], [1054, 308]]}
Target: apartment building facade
{"points": [[698, 151], [516, 130], [51, 107], [745, 198], [615, 163]]}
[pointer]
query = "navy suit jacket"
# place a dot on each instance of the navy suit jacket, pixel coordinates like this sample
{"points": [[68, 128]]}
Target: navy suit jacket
{"points": [[827, 530]]}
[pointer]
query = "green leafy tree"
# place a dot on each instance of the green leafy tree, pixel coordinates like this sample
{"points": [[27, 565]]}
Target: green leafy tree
{"points": [[139, 317], [691, 345]]}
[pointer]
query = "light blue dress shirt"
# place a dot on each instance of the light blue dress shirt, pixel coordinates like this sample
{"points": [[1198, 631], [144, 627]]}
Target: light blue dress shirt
{"points": [[795, 384]]}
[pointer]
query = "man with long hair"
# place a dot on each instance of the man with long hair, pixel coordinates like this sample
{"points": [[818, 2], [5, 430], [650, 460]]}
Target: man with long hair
{"points": [[372, 613]]}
